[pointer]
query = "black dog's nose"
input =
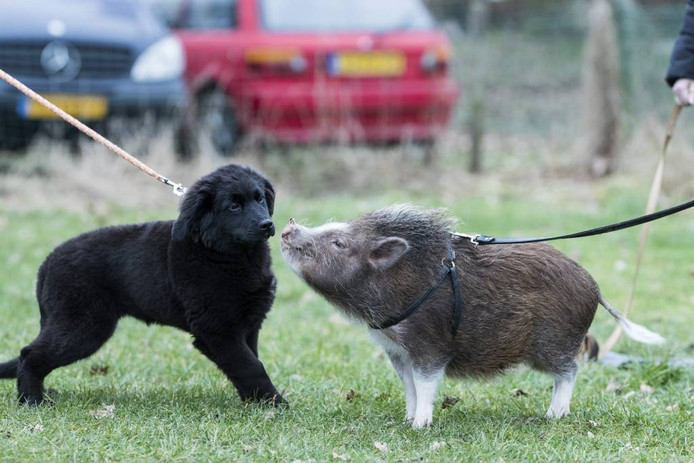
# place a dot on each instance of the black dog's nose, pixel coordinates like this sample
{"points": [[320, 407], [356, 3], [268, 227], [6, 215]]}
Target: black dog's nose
{"points": [[267, 226]]}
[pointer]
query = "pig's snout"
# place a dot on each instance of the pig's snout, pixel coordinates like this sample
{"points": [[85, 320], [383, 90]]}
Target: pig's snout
{"points": [[295, 241], [292, 236], [288, 230]]}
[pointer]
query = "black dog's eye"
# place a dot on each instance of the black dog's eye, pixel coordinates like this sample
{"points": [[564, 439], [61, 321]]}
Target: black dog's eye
{"points": [[261, 200], [339, 244], [235, 207]]}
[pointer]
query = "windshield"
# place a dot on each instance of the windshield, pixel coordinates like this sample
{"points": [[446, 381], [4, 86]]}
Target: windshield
{"points": [[165, 10], [345, 15]]}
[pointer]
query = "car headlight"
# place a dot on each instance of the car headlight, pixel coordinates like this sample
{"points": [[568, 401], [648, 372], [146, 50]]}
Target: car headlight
{"points": [[163, 60]]}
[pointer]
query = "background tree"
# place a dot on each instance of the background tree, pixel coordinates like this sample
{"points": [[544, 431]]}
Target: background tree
{"points": [[600, 90]]}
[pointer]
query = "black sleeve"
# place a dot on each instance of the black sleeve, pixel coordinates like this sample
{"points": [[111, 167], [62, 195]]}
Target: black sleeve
{"points": [[682, 58]]}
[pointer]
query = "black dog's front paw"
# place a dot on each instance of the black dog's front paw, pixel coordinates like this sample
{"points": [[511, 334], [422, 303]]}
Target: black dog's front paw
{"points": [[48, 397], [30, 401], [278, 401], [273, 398]]}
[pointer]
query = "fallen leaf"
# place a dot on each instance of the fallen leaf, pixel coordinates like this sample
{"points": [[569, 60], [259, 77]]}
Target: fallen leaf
{"points": [[35, 427], [449, 401], [246, 448], [672, 407], [645, 388], [613, 386], [593, 423], [381, 446], [520, 393], [437, 445], [104, 412], [337, 456], [100, 370], [591, 435], [350, 395]]}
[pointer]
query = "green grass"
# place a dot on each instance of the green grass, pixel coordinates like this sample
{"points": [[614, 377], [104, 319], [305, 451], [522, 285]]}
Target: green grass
{"points": [[172, 404]]}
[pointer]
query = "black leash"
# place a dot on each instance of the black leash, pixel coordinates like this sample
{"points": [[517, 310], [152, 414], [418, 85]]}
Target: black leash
{"points": [[485, 239], [448, 271]]}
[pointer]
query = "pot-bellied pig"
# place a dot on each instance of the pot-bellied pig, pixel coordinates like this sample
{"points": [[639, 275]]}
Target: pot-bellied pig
{"points": [[397, 269]]}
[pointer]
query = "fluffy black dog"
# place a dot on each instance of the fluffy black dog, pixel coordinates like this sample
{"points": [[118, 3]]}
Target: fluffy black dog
{"points": [[207, 273]]}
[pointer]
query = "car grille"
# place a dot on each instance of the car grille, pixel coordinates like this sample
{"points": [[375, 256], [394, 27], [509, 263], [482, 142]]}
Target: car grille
{"points": [[23, 59]]}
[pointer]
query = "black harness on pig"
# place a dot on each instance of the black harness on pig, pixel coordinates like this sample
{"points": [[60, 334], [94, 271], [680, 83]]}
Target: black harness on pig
{"points": [[449, 270]]}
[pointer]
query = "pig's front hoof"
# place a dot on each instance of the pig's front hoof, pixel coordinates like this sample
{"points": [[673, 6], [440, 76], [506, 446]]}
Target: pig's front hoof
{"points": [[419, 423], [556, 414]]}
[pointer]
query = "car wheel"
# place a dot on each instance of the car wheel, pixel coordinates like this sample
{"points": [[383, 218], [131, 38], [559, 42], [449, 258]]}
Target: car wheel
{"points": [[211, 122], [16, 135], [217, 121]]}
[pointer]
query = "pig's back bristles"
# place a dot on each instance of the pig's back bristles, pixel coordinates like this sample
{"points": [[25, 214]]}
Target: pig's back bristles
{"points": [[423, 228], [633, 330]]}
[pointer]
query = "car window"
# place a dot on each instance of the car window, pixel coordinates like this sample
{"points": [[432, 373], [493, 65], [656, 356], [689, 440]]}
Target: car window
{"points": [[211, 14], [345, 15], [166, 10]]}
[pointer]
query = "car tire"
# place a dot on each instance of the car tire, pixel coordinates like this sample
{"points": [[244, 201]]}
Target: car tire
{"points": [[16, 135], [214, 121]]}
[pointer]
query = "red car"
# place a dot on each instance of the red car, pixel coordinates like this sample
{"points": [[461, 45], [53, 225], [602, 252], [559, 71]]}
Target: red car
{"points": [[295, 71]]}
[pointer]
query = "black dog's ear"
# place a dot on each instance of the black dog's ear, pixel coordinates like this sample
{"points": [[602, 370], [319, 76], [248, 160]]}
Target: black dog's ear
{"points": [[269, 196], [194, 206]]}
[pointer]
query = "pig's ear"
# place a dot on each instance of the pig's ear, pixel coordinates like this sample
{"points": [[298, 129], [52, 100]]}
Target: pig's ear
{"points": [[387, 252]]}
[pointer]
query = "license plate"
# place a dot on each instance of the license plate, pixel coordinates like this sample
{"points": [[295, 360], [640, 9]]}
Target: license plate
{"points": [[366, 64], [84, 107]]}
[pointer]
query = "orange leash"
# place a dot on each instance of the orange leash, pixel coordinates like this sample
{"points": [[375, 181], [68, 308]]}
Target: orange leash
{"points": [[178, 189]]}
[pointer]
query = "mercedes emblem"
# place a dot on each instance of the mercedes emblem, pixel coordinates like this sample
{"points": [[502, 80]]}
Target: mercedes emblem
{"points": [[61, 61]]}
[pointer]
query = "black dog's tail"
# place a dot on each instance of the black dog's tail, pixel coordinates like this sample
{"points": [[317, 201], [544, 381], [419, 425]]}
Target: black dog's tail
{"points": [[9, 369]]}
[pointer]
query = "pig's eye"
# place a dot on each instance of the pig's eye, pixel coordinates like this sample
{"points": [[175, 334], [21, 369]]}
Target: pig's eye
{"points": [[339, 244]]}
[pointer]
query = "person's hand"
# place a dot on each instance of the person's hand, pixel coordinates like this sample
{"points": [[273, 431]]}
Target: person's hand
{"points": [[684, 92]]}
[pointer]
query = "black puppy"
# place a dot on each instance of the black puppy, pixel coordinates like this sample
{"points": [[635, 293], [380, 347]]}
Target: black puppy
{"points": [[207, 273]]}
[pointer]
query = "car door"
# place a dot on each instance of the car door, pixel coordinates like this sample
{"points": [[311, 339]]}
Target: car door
{"points": [[210, 33]]}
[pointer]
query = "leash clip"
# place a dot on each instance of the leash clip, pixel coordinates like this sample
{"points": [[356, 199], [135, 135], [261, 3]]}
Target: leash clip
{"points": [[473, 238], [178, 189]]}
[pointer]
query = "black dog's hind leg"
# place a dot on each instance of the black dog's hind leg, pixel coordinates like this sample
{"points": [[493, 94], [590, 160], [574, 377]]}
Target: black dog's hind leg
{"points": [[9, 369], [57, 346], [238, 361]]}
